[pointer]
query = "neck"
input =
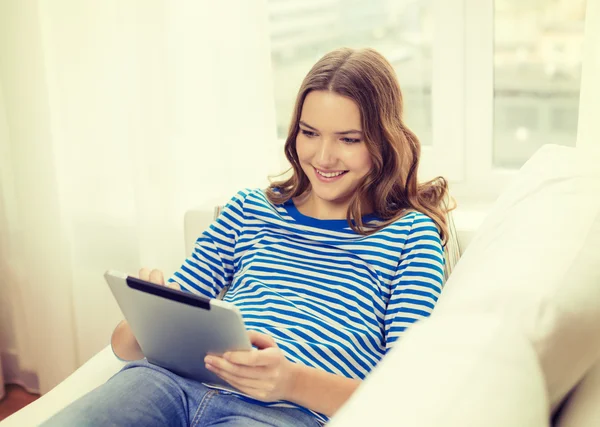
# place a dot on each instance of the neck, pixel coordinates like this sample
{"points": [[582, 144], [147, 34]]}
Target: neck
{"points": [[310, 205]]}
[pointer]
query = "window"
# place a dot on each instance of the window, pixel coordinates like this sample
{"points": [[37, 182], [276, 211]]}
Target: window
{"points": [[485, 82], [538, 46]]}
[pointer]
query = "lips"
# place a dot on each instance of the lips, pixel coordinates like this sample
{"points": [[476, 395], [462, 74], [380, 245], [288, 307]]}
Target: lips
{"points": [[329, 176]]}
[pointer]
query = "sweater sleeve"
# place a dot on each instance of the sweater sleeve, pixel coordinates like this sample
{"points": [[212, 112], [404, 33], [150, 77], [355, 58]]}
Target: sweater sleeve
{"points": [[210, 267], [418, 281]]}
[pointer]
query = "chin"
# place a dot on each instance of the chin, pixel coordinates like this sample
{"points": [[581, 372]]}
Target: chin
{"points": [[332, 196]]}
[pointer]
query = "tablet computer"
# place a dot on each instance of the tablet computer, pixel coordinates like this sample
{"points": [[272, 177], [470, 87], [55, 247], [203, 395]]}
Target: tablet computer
{"points": [[176, 329]]}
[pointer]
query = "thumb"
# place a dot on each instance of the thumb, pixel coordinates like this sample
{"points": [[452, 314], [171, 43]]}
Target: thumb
{"points": [[261, 340]]}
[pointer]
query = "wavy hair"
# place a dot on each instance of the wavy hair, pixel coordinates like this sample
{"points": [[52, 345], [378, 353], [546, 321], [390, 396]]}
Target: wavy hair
{"points": [[391, 187]]}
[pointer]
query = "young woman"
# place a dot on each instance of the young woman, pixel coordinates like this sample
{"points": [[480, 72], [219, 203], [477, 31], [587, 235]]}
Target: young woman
{"points": [[328, 268]]}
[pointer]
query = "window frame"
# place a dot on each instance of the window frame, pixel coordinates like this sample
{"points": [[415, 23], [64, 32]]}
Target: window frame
{"points": [[445, 154], [482, 180]]}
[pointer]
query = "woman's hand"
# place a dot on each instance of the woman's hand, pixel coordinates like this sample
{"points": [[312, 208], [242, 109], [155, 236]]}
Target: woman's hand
{"points": [[262, 373]]}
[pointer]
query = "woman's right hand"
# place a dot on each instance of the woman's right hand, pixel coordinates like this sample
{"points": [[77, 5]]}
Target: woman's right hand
{"points": [[156, 276]]}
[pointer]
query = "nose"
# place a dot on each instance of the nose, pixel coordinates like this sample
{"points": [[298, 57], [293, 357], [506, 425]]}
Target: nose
{"points": [[326, 154]]}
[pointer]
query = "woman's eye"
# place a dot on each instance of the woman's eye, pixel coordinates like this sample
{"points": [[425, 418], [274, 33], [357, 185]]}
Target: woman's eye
{"points": [[308, 133], [350, 140]]}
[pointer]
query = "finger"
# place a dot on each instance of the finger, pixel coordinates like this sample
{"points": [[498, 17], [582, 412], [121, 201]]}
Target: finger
{"points": [[144, 274], [266, 357], [173, 285], [239, 383], [255, 392], [261, 340], [156, 277], [239, 371]]}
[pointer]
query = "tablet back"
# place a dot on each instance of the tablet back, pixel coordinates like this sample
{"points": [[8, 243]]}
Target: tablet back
{"points": [[176, 329]]}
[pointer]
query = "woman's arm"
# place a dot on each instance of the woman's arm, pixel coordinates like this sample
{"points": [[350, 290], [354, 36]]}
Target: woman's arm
{"points": [[124, 344], [418, 282], [318, 390], [267, 375], [210, 267]]}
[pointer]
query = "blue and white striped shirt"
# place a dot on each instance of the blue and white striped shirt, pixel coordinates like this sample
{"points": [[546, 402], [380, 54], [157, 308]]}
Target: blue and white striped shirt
{"points": [[332, 299]]}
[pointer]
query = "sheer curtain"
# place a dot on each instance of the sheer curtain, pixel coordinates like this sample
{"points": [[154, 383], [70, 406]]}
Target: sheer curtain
{"points": [[115, 117], [588, 132]]}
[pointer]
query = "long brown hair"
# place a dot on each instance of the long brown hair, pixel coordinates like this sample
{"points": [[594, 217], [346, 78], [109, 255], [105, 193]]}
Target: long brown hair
{"points": [[391, 187]]}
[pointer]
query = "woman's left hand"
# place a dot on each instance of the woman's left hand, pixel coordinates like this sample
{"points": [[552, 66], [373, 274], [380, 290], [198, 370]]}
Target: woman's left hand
{"points": [[262, 373]]}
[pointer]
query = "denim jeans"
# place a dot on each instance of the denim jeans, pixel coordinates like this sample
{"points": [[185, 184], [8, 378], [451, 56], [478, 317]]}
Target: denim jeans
{"points": [[142, 394]]}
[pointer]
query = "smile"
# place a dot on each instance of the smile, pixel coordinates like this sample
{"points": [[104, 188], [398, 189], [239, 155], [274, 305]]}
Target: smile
{"points": [[329, 176]]}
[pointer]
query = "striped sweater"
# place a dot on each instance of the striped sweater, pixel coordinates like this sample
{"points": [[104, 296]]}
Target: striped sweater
{"points": [[332, 299]]}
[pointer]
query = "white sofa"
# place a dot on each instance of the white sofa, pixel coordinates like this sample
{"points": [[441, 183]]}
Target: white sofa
{"points": [[482, 358]]}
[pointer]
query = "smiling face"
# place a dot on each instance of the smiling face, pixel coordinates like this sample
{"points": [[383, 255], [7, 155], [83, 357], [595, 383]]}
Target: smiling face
{"points": [[332, 152]]}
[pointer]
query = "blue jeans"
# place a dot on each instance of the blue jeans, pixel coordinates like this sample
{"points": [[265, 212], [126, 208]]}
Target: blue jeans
{"points": [[142, 394]]}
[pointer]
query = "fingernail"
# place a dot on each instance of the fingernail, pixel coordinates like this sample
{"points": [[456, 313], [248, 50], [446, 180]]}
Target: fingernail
{"points": [[208, 359], [227, 356]]}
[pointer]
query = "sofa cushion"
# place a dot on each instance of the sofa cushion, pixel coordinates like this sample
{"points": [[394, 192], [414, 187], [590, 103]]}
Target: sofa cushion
{"points": [[535, 263], [455, 371]]}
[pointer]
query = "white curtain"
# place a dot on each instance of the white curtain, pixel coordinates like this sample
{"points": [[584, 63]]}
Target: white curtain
{"points": [[588, 133], [115, 117]]}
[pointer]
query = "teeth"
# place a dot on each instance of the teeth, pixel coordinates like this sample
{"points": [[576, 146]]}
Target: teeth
{"points": [[329, 175]]}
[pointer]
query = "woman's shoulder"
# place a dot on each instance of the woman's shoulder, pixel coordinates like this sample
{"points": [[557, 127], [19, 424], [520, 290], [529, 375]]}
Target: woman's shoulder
{"points": [[249, 198], [412, 218], [415, 222], [247, 193]]}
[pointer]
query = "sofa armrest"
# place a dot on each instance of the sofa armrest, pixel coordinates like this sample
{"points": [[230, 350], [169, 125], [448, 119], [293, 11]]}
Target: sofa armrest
{"points": [[90, 375]]}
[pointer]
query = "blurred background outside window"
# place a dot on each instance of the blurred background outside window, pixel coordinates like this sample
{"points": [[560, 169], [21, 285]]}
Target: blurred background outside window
{"points": [[538, 47]]}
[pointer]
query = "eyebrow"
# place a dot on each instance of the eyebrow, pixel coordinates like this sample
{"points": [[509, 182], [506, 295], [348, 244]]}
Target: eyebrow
{"points": [[346, 132]]}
